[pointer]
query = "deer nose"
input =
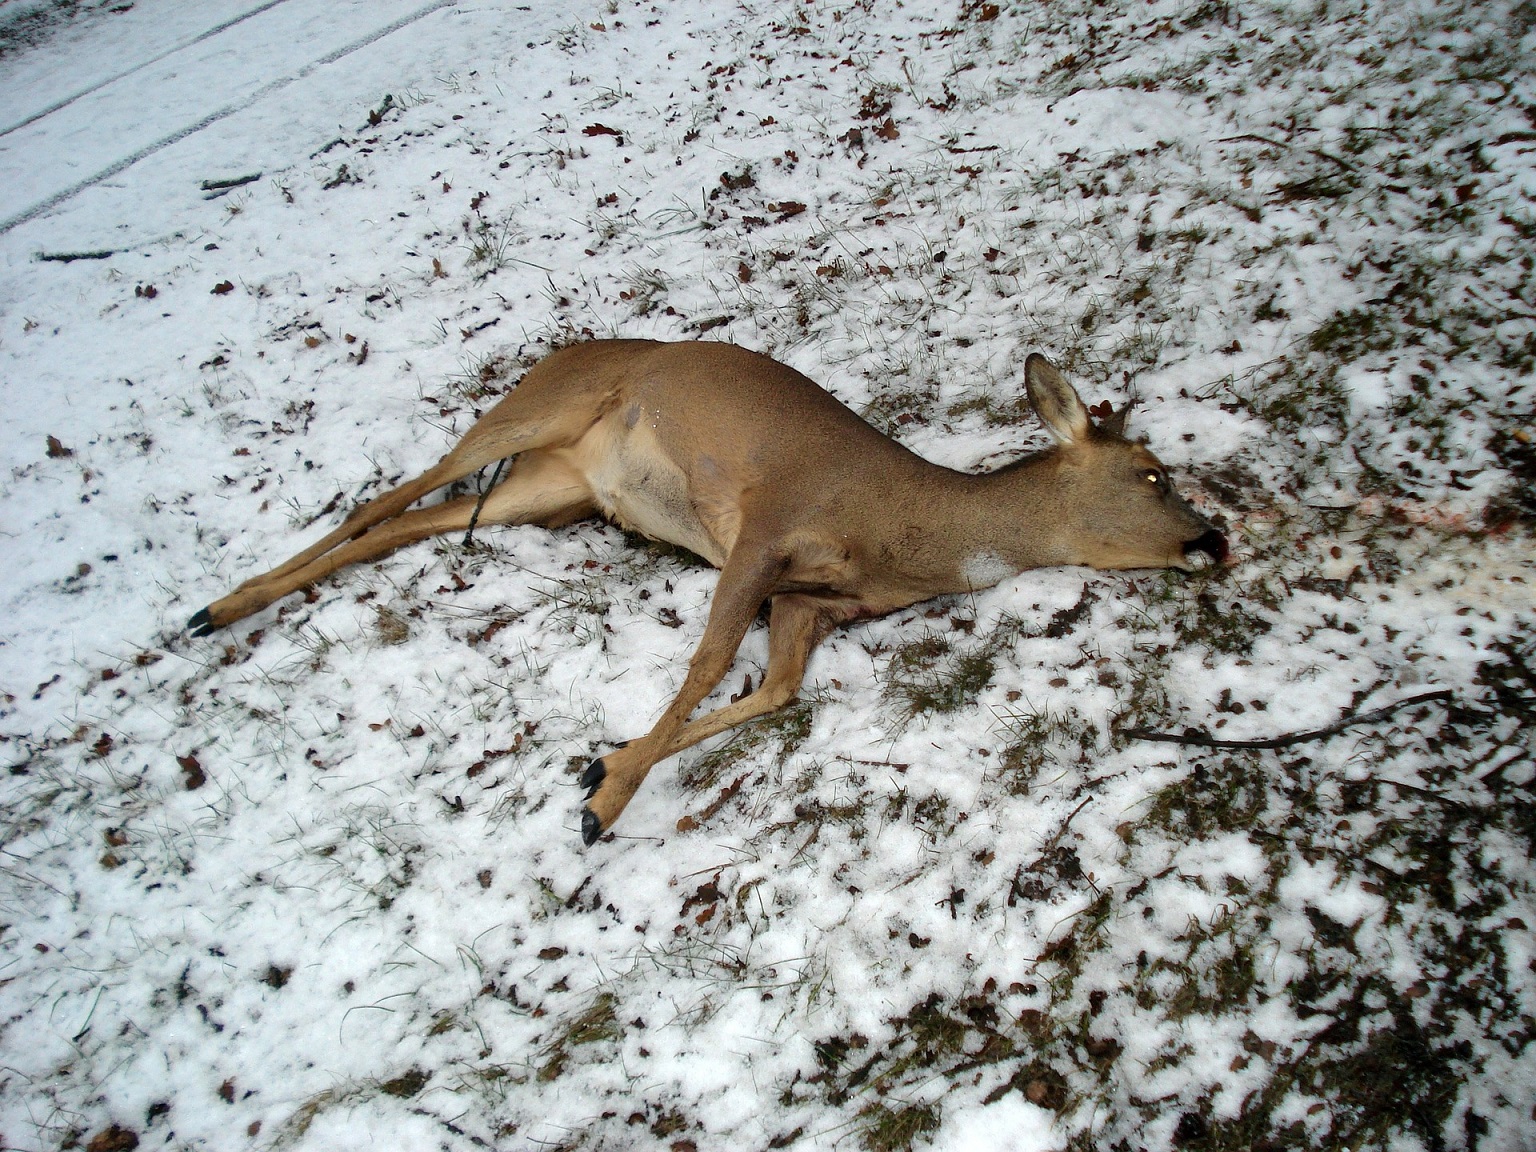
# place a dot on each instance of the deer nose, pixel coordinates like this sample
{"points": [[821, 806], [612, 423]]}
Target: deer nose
{"points": [[1212, 543]]}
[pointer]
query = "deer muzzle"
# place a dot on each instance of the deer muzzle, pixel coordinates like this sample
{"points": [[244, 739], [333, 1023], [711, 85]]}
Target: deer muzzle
{"points": [[1211, 542]]}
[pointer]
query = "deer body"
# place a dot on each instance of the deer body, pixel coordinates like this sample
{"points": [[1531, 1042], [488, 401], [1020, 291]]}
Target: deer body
{"points": [[795, 498]]}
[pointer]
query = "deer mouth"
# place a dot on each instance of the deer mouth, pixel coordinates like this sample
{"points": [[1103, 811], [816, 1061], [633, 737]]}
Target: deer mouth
{"points": [[1212, 543]]}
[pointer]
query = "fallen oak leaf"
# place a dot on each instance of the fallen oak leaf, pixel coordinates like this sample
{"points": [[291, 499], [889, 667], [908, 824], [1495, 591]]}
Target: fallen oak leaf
{"points": [[874, 105], [193, 770], [113, 1139]]}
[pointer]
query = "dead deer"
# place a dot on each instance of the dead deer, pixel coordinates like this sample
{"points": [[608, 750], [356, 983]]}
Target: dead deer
{"points": [[789, 493]]}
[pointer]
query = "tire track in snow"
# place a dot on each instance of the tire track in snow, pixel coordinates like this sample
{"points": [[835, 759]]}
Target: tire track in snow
{"points": [[57, 198], [140, 66]]}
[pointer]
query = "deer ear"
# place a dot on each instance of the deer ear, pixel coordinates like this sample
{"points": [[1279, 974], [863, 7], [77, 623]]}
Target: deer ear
{"points": [[1055, 402], [1115, 421]]}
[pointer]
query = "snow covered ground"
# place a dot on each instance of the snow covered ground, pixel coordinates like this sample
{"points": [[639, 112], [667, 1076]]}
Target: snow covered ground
{"points": [[316, 882]]}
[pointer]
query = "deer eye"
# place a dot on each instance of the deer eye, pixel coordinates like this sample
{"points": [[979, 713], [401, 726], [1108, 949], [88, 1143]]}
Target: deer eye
{"points": [[1154, 477]]}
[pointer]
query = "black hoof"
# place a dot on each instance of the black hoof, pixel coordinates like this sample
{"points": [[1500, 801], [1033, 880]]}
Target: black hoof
{"points": [[201, 624], [591, 827], [592, 779]]}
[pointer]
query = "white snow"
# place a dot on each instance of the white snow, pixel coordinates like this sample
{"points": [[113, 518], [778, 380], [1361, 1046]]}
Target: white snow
{"points": [[316, 881]]}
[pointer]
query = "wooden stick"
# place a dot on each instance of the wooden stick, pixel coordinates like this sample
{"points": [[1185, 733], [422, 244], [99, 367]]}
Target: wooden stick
{"points": [[1200, 739]]}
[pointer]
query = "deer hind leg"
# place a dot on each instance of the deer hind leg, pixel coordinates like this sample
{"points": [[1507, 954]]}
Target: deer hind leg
{"points": [[543, 411], [540, 489], [794, 630]]}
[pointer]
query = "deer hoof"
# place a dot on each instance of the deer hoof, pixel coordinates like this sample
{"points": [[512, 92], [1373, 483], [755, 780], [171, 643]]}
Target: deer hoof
{"points": [[201, 624], [592, 779], [591, 827]]}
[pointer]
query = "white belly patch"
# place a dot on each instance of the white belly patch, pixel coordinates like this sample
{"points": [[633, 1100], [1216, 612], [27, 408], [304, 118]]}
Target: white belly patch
{"points": [[638, 486], [984, 569]]}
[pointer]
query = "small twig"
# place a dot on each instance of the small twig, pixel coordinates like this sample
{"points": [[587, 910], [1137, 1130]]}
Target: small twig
{"points": [[1065, 824], [1249, 137], [70, 257], [1200, 739], [474, 517], [1425, 792], [222, 186]]}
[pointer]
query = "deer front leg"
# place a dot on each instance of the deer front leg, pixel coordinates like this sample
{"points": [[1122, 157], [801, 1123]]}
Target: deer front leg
{"points": [[797, 624], [745, 582]]}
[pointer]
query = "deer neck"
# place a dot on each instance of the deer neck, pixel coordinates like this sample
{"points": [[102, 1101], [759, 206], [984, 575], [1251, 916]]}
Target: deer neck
{"points": [[1017, 519], [964, 532]]}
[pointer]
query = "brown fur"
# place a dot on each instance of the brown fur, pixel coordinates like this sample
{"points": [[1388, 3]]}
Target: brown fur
{"points": [[797, 500]]}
